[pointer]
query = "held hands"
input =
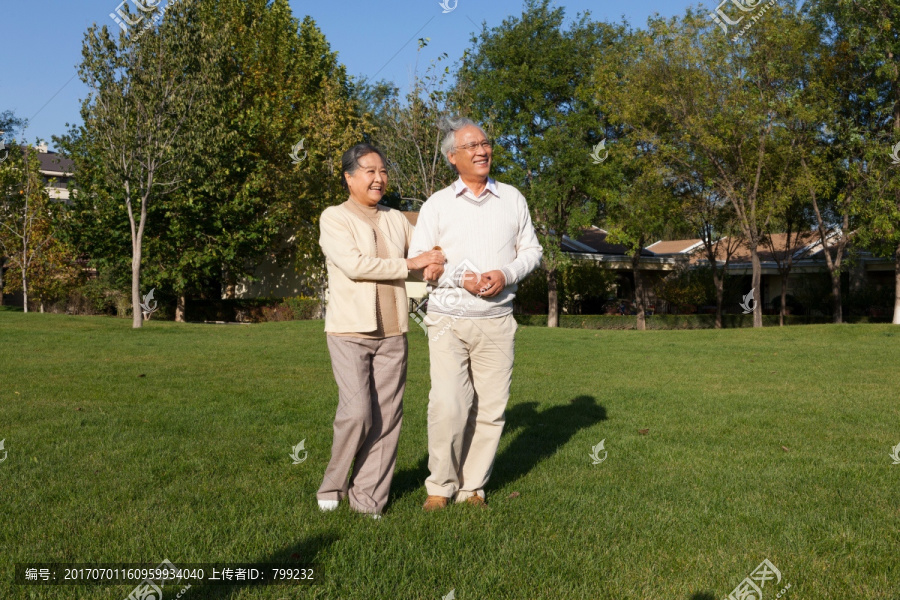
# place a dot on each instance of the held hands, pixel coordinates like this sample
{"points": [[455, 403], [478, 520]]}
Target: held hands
{"points": [[487, 286], [433, 258], [433, 272]]}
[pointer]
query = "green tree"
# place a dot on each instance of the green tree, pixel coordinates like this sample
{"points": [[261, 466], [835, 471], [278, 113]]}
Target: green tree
{"points": [[10, 125], [27, 233], [707, 113], [136, 137], [865, 74], [528, 82], [408, 131]]}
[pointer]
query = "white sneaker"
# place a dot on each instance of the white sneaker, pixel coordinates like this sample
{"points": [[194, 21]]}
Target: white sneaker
{"points": [[328, 505]]}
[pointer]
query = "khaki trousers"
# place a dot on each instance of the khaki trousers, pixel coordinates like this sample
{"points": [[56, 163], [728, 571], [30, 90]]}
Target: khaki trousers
{"points": [[471, 370], [371, 377]]}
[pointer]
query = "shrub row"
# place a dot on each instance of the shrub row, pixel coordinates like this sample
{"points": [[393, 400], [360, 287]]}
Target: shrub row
{"points": [[679, 321], [255, 310]]}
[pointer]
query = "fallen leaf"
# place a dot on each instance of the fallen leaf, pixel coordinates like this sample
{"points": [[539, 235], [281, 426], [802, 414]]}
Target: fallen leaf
{"points": [[514, 495], [785, 448], [643, 431], [142, 375], [79, 408], [15, 392], [773, 372]]}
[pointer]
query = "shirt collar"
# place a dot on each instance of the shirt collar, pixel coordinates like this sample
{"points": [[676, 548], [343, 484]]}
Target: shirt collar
{"points": [[460, 188]]}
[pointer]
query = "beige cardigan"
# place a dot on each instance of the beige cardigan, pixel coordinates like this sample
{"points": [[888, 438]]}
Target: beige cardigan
{"points": [[349, 247]]}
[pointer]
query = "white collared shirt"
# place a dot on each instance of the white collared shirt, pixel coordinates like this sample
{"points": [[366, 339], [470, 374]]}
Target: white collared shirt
{"points": [[461, 189]]}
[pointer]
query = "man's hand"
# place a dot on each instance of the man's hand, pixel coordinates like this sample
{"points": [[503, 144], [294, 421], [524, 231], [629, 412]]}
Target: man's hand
{"points": [[491, 284], [433, 272], [471, 282], [432, 257]]}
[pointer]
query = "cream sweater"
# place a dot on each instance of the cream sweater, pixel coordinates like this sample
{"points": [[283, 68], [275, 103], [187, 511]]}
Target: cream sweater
{"points": [[353, 267], [491, 232]]}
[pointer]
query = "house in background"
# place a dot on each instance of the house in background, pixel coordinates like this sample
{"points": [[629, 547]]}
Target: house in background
{"points": [[57, 172], [808, 263]]}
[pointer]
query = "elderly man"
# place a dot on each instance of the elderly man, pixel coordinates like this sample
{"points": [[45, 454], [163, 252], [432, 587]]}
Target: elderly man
{"points": [[485, 231]]}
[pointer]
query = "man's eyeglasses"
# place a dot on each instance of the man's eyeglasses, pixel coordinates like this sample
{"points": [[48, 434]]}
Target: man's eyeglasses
{"points": [[472, 146]]}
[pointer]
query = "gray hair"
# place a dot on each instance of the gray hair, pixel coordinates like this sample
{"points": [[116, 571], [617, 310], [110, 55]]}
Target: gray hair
{"points": [[450, 125]]}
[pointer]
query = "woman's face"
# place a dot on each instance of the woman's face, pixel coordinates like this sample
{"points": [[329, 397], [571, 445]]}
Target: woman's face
{"points": [[367, 184]]}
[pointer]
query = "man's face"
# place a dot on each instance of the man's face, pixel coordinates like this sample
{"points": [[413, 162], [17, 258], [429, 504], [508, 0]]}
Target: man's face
{"points": [[471, 164]]}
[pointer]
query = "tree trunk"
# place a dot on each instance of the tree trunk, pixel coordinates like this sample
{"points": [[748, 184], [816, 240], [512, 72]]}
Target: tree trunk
{"points": [[137, 316], [719, 282], [755, 285], [896, 320], [837, 311], [179, 309], [2, 260], [783, 301], [552, 299], [639, 291], [24, 287]]}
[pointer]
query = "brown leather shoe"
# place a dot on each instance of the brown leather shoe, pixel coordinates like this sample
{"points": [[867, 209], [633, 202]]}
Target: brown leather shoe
{"points": [[476, 500], [433, 503]]}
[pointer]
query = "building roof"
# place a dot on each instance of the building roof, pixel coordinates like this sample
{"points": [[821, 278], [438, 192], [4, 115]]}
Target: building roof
{"points": [[593, 241], [53, 164], [675, 246], [774, 247]]}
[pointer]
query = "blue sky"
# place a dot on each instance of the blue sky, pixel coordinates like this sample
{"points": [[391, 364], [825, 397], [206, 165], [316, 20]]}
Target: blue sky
{"points": [[42, 42]]}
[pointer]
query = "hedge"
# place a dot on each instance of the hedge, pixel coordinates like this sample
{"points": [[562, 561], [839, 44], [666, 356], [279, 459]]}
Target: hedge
{"points": [[254, 310], [679, 321]]}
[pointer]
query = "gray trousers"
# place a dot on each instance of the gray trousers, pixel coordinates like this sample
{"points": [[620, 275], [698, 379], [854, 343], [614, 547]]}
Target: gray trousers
{"points": [[371, 377]]}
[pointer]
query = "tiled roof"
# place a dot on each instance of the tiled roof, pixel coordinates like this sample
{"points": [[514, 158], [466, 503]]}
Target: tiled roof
{"points": [[51, 162], [595, 240], [675, 246], [775, 246]]}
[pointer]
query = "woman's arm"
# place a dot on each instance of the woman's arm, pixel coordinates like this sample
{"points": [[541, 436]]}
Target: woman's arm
{"points": [[341, 248]]}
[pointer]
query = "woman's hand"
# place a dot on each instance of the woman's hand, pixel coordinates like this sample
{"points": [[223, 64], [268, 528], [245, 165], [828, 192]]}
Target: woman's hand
{"points": [[433, 272], [432, 257]]}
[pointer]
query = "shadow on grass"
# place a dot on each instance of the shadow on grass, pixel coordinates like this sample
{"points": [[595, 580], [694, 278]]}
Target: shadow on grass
{"points": [[703, 596], [303, 552], [540, 435]]}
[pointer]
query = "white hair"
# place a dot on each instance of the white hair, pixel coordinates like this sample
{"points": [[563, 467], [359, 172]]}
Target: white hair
{"points": [[450, 125]]}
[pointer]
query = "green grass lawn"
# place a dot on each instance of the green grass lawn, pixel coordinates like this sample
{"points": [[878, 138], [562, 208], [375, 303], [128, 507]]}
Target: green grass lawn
{"points": [[173, 442]]}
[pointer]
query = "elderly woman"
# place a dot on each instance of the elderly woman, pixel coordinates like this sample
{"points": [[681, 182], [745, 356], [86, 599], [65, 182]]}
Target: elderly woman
{"points": [[365, 247]]}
